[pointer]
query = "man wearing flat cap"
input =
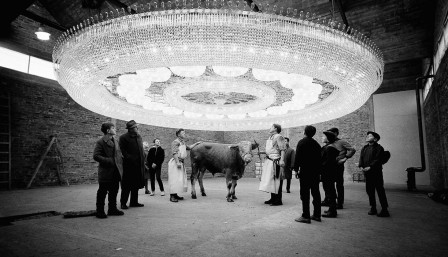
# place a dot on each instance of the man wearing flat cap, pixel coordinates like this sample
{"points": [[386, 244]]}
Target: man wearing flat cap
{"points": [[370, 163], [131, 145], [346, 151], [329, 172]]}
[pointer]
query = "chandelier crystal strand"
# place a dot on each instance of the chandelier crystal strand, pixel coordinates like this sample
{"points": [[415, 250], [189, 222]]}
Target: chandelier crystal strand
{"points": [[259, 65]]}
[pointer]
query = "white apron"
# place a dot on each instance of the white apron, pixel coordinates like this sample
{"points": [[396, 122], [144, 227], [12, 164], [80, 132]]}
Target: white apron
{"points": [[268, 182], [177, 177]]}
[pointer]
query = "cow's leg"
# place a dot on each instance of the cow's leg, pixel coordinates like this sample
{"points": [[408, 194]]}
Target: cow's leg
{"points": [[201, 185], [229, 188], [194, 174], [234, 181]]}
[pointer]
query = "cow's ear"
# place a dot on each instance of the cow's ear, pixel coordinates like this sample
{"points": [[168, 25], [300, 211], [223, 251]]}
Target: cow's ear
{"points": [[233, 146]]}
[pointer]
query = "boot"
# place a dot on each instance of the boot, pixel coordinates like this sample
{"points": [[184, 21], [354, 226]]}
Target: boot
{"points": [[100, 214], [173, 199], [303, 220], [372, 211], [113, 211], [383, 213]]}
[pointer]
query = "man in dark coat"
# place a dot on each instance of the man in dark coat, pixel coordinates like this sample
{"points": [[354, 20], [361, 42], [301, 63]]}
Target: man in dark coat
{"points": [[154, 160], [308, 163], [346, 151], [131, 145], [329, 172], [289, 164], [110, 170], [370, 163]]}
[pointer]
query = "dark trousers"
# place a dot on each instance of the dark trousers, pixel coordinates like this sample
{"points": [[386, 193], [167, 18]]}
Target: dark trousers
{"points": [[330, 192], [125, 195], [374, 181], [288, 184], [277, 198], [153, 174], [340, 184], [308, 184], [110, 189]]}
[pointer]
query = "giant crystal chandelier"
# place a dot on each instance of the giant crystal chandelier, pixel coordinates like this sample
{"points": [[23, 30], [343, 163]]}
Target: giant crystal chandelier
{"points": [[221, 66]]}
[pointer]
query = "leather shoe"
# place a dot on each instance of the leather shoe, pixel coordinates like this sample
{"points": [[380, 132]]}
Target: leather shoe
{"points": [[173, 199], [124, 207], [114, 212], [101, 215], [136, 205], [372, 212], [303, 220], [330, 215], [276, 203], [316, 218], [179, 197], [268, 201], [383, 213]]}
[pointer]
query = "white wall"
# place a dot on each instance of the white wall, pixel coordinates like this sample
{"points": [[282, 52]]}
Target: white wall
{"points": [[396, 120]]}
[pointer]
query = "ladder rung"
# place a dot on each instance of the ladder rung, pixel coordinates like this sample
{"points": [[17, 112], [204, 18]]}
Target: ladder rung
{"points": [[4, 152], [4, 182], [3, 133], [4, 143], [3, 172]]}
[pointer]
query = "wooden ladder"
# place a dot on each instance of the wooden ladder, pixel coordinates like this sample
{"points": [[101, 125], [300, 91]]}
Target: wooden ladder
{"points": [[56, 157], [5, 140]]}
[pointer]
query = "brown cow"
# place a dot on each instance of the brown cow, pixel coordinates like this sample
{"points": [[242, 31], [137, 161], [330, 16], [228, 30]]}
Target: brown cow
{"points": [[220, 158]]}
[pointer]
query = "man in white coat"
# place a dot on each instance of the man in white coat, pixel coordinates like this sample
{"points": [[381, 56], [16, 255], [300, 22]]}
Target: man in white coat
{"points": [[273, 174], [177, 176]]}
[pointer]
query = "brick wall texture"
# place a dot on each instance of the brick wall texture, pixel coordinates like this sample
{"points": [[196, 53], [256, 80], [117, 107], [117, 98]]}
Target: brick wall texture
{"points": [[41, 108], [435, 111]]}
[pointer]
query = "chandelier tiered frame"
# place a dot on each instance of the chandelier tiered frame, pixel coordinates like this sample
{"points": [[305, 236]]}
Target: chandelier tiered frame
{"points": [[118, 43]]}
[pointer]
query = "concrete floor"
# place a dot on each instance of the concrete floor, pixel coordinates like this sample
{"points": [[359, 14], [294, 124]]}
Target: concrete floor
{"points": [[210, 226]]}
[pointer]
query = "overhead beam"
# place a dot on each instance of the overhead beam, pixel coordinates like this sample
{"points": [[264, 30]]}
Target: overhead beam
{"points": [[42, 20], [12, 11]]}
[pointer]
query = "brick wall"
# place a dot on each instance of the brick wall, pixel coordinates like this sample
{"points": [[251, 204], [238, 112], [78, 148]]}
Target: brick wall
{"points": [[436, 114]]}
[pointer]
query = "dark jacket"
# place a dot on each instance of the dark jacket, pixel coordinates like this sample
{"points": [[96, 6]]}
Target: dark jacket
{"points": [[131, 146], [155, 155], [289, 162], [329, 161], [107, 153], [371, 156], [308, 157]]}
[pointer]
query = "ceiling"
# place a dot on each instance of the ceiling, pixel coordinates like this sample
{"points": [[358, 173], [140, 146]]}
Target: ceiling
{"points": [[402, 29]]}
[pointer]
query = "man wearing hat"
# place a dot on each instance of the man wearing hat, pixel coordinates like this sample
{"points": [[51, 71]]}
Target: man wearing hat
{"points": [[370, 163], [329, 172], [346, 151], [131, 146]]}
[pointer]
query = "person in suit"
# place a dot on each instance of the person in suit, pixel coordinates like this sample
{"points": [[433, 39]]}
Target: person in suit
{"points": [[289, 164], [110, 171], [370, 163], [154, 160], [131, 145], [329, 172], [307, 166]]}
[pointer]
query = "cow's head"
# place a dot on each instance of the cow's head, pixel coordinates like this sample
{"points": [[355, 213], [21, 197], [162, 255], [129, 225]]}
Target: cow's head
{"points": [[245, 150]]}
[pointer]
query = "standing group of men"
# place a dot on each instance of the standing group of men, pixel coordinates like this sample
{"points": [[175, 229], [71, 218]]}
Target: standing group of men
{"points": [[127, 162], [124, 162], [314, 164]]}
